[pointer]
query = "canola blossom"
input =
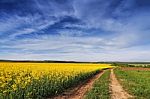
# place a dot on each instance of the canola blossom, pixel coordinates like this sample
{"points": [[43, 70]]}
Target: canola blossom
{"points": [[38, 80]]}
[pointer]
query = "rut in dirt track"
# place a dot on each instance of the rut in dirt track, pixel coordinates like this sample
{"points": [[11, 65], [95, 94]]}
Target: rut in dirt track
{"points": [[79, 91], [117, 91]]}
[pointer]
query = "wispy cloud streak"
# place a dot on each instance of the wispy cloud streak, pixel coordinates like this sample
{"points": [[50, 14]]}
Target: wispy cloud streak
{"points": [[68, 29]]}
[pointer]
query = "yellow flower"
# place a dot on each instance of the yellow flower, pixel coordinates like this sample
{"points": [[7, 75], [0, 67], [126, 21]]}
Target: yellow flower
{"points": [[21, 75], [14, 87]]}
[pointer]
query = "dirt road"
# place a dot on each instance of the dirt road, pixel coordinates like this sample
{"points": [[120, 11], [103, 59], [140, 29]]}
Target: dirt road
{"points": [[79, 91], [117, 91]]}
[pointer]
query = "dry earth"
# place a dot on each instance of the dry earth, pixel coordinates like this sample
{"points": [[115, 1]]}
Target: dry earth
{"points": [[135, 68], [116, 89], [79, 91]]}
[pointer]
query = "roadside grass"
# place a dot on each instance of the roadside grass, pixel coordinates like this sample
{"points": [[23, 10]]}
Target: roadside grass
{"points": [[136, 82], [100, 88]]}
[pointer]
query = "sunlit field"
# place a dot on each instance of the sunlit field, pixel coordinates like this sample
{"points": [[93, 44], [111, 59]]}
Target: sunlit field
{"points": [[136, 82], [37, 80]]}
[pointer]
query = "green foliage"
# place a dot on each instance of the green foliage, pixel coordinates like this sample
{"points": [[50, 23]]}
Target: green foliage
{"points": [[46, 87], [136, 82], [100, 89], [140, 65], [120, 64]]}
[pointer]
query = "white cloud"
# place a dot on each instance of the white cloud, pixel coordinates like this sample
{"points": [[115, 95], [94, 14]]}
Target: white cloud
{"points": [[129, 30], [114, 55]]}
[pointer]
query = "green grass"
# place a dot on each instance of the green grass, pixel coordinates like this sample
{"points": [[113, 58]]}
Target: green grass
{"points": [[136, 82], [100, 89]]}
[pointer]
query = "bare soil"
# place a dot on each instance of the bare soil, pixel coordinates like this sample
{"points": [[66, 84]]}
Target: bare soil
{"points": [[116, 89], [79, 91], [135, 68]]}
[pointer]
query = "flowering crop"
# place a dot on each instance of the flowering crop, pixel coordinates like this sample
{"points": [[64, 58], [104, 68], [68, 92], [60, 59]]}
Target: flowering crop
{"points": [[37, 80]]}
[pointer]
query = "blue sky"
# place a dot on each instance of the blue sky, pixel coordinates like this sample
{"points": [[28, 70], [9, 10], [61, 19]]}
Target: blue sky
{"points": [[80, 30]]}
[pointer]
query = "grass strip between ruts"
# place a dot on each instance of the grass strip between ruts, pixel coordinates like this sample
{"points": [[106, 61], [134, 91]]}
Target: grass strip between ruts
{"points": [[100, 88]]}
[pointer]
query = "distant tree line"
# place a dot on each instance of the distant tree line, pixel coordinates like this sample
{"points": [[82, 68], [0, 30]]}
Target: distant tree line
{"points": [[131, 65]]}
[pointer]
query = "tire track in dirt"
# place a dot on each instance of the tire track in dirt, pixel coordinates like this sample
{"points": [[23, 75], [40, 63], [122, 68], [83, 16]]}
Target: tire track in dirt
{"points": [[79, 91], [116, 89]]}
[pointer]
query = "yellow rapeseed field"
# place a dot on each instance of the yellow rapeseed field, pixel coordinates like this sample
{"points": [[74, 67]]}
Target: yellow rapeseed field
{"points": [[37, 80]]}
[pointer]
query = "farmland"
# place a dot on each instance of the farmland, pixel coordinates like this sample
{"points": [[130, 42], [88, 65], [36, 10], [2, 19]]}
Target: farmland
{"points": [[38, 80], [136, 81], [34, 80], [100, 88]]}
